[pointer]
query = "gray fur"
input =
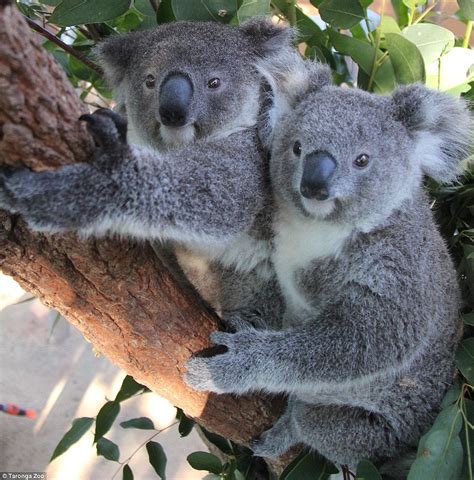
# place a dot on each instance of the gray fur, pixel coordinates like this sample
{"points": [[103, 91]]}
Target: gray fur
{"points": [[365, 349]]}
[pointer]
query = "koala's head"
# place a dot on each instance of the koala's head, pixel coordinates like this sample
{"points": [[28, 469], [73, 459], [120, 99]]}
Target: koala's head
{"points": [[187, 80], [348, 156]]}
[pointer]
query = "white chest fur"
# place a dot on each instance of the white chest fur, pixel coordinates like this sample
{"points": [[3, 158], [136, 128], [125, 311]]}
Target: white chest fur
{"points": [[297, 243]]}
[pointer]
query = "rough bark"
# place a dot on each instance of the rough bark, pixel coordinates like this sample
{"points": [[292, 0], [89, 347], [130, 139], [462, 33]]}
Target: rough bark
{"points": [[115, 292]]}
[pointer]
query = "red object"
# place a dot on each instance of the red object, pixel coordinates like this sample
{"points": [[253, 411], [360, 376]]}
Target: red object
{"points": [[13, 409]]}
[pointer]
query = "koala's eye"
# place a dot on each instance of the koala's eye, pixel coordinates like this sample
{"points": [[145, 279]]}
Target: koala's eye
{"points": [[150, 81], [297, 148], [361, 161], [214, 83]]}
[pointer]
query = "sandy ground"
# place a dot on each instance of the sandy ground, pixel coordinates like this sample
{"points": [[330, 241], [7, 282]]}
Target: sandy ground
{"points": [[55, 372]]}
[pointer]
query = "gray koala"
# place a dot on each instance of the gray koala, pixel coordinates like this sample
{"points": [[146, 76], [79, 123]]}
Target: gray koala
{"points": [[365, 348], [194, 100]]}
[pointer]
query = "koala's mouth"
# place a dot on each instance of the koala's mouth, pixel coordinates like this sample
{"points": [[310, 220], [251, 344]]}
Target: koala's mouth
{"points": [[319, 208], [176, 136]]}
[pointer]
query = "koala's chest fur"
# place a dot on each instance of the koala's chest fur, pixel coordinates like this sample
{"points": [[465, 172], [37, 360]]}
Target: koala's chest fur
{"points": [[298, 243]]}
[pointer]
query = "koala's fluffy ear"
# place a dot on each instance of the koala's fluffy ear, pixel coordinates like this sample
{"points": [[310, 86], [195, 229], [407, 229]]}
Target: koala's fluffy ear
{"points": [[441, 126], [115, 54], [265, 37]]}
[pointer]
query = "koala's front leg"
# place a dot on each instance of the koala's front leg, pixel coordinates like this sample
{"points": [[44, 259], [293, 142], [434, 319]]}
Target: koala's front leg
{"points": [[73, 197], [236, 371]]}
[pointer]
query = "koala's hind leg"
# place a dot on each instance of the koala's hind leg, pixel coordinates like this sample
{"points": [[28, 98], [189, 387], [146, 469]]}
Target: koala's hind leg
{"points": [[278, 439], [344, 434]]}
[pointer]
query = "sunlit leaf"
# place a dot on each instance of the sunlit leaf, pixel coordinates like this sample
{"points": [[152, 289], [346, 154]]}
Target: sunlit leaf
{"points": [[79, 427], [432, 40], [253, 8], [406, 59], [340, 13]]}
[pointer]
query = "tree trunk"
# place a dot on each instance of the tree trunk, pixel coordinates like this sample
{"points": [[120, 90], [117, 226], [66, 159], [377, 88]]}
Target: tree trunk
{"points": [[116, 293]]}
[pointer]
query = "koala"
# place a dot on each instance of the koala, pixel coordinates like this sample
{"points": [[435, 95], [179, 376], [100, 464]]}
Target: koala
{"points": [[194, 101], [365, 346]]}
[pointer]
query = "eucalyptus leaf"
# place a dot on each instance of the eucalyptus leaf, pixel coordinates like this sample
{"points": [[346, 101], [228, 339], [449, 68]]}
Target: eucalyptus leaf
{"points": [[406, 59], [127, 473], [220, 442], [108, 449], [367, 471], [453, 70], [142, 423], [204, 10], [341, 13], [105, 418], [308, 466], [157, 458], [465, 359], [452, 394], [253, 8], [165, 12], [79, 427], [363, 54], [75, 12], [129, 388], [468, 318], [205, 461], [432, 40], [185, 425], [467, 8]]}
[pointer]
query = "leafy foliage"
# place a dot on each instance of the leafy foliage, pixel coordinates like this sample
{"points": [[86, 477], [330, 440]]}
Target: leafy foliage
{"points": [[373, 55]]}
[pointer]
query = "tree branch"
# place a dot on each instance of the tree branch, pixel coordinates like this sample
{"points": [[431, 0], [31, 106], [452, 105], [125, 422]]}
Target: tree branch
{"points": [[67, 48], [116, 293]]}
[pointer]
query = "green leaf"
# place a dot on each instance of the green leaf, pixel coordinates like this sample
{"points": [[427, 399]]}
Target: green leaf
{"points": [[453, 70], [165, 12], [308, 466], [389, 25], [465, 359], [411, 4], [127, 473], [79, 427], [204, 10], [363, 54], [205, 461], [105, 418], [129, 388], [406, 59], [468, 318], [253, 8], [467, 8], [142, 423], [186, 424], [74, 12], [220, 442], [440, 459], [340, 13], [108, 449], [157, 458], [440, 451], [452, 394], [432, 41], [367, 471]]}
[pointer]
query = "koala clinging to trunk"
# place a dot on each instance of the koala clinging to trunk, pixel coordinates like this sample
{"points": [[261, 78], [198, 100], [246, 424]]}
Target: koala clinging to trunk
{"points": [[365, 349], [193, 99]]}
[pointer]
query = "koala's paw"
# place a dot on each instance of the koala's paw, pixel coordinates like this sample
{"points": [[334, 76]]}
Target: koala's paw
{"points": [[272, 443], [106, 126], [229, 369], [238, 320]]}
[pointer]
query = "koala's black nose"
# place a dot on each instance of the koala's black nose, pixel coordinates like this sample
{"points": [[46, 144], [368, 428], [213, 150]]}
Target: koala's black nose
{"points": [[318, 168], [176, 94]]}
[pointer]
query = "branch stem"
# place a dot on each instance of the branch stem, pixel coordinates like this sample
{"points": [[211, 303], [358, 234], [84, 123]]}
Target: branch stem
{"points": [[67, 48], [467, 34]]}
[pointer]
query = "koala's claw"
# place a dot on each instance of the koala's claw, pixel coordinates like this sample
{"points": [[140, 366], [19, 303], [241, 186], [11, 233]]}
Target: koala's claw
{"points": [[106, 126]]}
